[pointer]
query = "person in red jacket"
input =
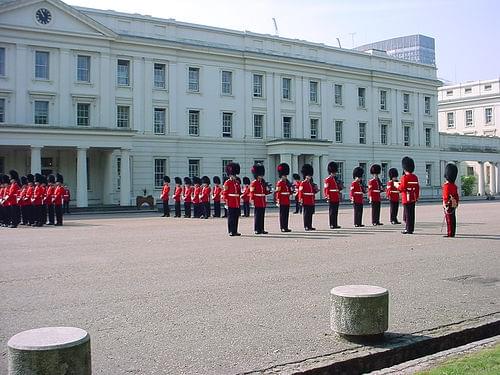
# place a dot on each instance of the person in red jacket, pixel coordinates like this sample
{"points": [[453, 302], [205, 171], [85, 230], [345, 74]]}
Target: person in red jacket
{"points": [[356, 195], [216, 195], [37, 201], [164, 196], [392, 193], [332, 188], [177, 196], [22, 200], [4, 211], [410, 190], [374, 193], [48, 198], [282, 195], [205, 196], [29, 196], [231, 194], [187, 192], [245, 196], [307, 190], [58, 199], [197, 208], [258, 192], [11, 195], [67, 198], [450, 198], [295, 186]]}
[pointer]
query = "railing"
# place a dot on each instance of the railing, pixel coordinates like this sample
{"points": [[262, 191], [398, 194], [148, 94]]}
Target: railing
{"points": [[458, 142]]}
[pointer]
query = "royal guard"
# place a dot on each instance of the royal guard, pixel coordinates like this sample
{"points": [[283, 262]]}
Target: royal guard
{"points": [[450, 198], [392, 194], [332, 188], [205, 196], [44, 200], [67, 198], [29, 196], [282, 195], [216, 195], [23, 201], [410, 191], [224, 179], [258, 192], [187, 193], [307, 191], [197, 208], [11, 198], [231, 194], [58, 199], [177, 196], [374, 193], [356, 194], [4, 211], [48, 198], [37, 201], [295, 187], [245, 196], [164, 196]]}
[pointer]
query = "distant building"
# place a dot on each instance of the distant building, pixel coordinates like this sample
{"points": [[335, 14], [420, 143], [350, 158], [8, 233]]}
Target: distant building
{"points": [[417, 48]]}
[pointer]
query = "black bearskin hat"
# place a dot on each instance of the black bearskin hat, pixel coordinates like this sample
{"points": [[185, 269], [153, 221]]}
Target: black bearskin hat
{"points": [[451, 172], [196, 180], [44, 179], [38, 178], [51, 179], [205, 180], [187, 181], [307, 170], [283, 169], [59, 178], [408, 164], [296, 177], [357, 172], [333, 167], [258, 170], [232, 169], [166, 179], [178, 180], [246, 180], [375, 169], [5, 179], [216, 180], [225, 178], [393, 172], [30, 177], [14, 175], [24, 180], [239, 180]]}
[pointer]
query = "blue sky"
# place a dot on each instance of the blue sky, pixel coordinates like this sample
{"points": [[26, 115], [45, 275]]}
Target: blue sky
{"points": [[467, 32]]}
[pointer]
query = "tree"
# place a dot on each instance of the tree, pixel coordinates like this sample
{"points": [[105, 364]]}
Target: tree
{"points": [[468, 183]]}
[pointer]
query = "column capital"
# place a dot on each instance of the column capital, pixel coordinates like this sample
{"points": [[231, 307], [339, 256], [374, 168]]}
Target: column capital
{"points": [[480, 162], [36, 147], [82, 148]]}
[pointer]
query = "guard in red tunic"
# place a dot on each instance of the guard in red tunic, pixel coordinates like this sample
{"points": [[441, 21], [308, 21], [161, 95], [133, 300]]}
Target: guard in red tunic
{"points": [[216, 195], [295, 187], [11, 198], [392, 194], [307, 191], [58, 199], [231, 194], [177, 196], [4, 211], [37, 201], [29, 197], [245, 196], [374, 193], [197, 208], [164, 196], [187, 192], [450, 198], [67, 198], [410, 191], [205, 196], [48, 198], [332, 188], [258, 192], [356, 194], [282, 195], [23, 201]]}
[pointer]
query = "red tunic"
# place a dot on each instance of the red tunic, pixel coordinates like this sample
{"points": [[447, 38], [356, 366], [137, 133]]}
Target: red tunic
{"points": [[48, 194], [217, 193], [392, 192], [205, 194], [410, 188], [331, 191], [67, 195], [356, 193], [58, 196], [449, 190], [23, 197], [196, 194], [232, 193], [38, 194], [282, 193], [177, 194], [245, 194], [2, 195], [188, 190], [374, 189], [13, 191], [164, 193], [258, 192], [296, 185], [306, 193]]}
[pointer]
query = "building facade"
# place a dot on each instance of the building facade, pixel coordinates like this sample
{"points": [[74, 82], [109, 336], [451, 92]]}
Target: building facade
{"points": [[115, 101]]}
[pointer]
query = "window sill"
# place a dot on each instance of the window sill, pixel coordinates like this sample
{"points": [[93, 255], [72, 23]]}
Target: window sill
{"points": [[406, 113], [283, 100], [35, 80], [259, 97], [338, 105], [362, 109], [84, 83], [315, 103], [124, 87], [161, 89], [227, 96], [193, 92], [384, 110]]}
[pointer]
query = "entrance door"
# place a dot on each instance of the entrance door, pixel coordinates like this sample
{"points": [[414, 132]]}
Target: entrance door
{"points": [[47, 166]]}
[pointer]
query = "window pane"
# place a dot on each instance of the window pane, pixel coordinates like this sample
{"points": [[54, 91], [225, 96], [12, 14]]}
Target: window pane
{"points": [[83, 68], [361, 97], [362, 133], [123, 116], [41, 65], [287, 84], [160, 171], [2, 61], [451, 120], [83, 114], [159, 120], [41, 112], [2, 110], [314, 128], [468, 117], [194, 122], [427, 105], [428, 137], [383, 134], [258, 122], [287, 127], [159, 76], [227, 78], [313, 92], [406, 102], [193, 168], [227, 125], [406, 136], [488, 114], [257, 85], [428, 170], [338, 131], [383, 100], [194, 79], [123, 73], [338, 94]]}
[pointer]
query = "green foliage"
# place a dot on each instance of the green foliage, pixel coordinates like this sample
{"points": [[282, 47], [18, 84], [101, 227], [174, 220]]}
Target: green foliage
{"points": [[468, 183]]}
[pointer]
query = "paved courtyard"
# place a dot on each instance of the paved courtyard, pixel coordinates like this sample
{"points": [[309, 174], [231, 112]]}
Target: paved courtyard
{"points": [[175, 296]]}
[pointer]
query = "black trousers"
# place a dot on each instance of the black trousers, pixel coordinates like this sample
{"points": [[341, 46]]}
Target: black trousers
{"points": [[394, 211], [3, 215], [187, 209], [43, 215], [258, 219], [59, 214], [216, 209], [177, 206], [308, 212], [225, 211], [30, 214], [410, 217], [298, 207], [24, 215], [232, 220], [206, 210], [50, 208], [358, 213], [15, 215], [333, 214], [197, 210], [451, 222], [284, 214], [246, 209], [38, 215], [166, 208], [375, 212], [66, 207]]}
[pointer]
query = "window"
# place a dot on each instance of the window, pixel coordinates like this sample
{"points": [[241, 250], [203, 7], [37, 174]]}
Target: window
{"points": [[488, 115], [159, 76], [193, 168], [82, 114], [449, 92], [406, 103], [427, 105], [487, 87], [41, 112], [468, 90], [383, 134], [451, 119], [194, 79], [428, 137], [287, 127], [314, 128], [194, 123], [258, 80], [340, 170], [41, 65], [227, 82], [123, 73], [118, 172], [428, 174], [338, 94], [470, 171], [227, 125], [362, 133], [160, 171], [287, 88], [159, 120], [468, 117], [225, 162], [361, 97], [383, 172], [83, 68], [406, 136], [258, 122], [383, 100], [2, 110], [2, 61], [313, 91], [339, 131], [123, 116]]}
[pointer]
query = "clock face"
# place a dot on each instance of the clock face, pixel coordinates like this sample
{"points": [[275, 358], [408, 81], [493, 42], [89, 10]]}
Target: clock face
{"points": [[43, 16]]}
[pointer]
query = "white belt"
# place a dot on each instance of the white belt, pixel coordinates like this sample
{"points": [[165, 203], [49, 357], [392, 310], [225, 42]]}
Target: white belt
{"points": [[394, 191], [412, 182], [376, 191], [285, 193], [333, 190], [234, 195], [358, 192], [260, 195], [308, 193]]}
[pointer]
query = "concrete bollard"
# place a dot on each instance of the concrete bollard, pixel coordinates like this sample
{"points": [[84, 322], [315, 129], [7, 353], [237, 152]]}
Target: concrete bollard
{"points": [[50, 350], [359, 310]]}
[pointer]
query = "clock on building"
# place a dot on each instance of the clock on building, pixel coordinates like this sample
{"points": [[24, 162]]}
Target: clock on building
{"points": [[43, 16]]}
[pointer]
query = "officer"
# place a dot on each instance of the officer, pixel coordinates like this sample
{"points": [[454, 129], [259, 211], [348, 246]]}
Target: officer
{"points": [[165, 196], [332, 188], [231, 194], [282, 195]]}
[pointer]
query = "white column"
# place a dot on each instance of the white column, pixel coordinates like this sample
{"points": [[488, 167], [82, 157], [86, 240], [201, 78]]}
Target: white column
{"points": [[125, 178], [81, 177], [295, 168], [493, 184], [480, 182], [107, 188], [497, 178], [317, 171], [286, 158], [458, 181], [36, 159], [323, 165]]}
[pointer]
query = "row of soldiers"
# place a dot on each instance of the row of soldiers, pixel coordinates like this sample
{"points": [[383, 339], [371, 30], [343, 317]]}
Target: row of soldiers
{"points": [[32, 199]]}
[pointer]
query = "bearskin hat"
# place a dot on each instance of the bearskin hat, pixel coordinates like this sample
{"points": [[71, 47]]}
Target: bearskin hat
{"points": [[187, 181], [333, 167], [51, 179], [225, 178], [196, 180], [375, 169], [59, 178], [307, 170], [451, 172], [5, 179], [258, 170], [393, 172], [205, 180], [239, 180], [246, 180], [38, 178], [24, 180], [232, 169], [30, 177], [178, 180], [166, 179], [408, 164], [216, 180], [44, 179], [283, 169], [357, 172], [14, 175], [296, 177]]}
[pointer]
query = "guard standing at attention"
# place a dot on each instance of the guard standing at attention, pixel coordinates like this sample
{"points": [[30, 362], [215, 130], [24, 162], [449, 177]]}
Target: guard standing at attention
{"points": [[356, 195], [332, 188], [177, 196], [187, 192], [410, 190], [245, 196], [296, 185], [37, 201], [307, 190], [51, 186], [165, 196], [231, 195], [392, 193], [197, 209], [258, 192], [23, 200], [29, 196], [374, 193], [450, 199], [58, 199], [216, 195], [13, 192], [205, 196], [282, 195]]}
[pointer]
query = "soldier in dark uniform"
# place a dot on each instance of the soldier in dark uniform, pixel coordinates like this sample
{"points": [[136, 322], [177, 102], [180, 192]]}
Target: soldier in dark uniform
{"points": [[216, 195], [356, 195], [410, 190], [165, 196], [23, 201], [197, 208], [258, 192], [375, 193], [177, 196], [282, 195], [231, 193]]}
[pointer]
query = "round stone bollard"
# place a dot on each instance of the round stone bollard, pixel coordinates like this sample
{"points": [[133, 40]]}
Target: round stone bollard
{"points": [[359, 310], [50, 350]]}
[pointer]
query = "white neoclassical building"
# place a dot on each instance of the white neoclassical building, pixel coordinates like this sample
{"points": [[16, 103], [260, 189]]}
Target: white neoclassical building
{"points": [[114, 101]]}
